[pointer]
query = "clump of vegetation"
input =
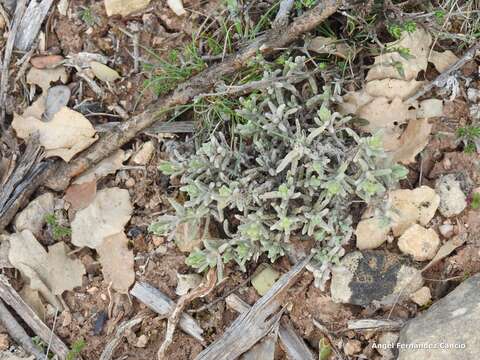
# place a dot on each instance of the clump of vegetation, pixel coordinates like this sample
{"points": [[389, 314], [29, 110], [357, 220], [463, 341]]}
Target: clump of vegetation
{"points": [[58, 231], [290, 170], [470, 137], [77, 348]]}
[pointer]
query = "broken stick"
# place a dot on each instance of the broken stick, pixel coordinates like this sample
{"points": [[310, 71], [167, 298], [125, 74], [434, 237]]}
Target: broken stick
{"points": [[292, 344], [254, 324], [17, 333], [163, 305], [11, 297]]}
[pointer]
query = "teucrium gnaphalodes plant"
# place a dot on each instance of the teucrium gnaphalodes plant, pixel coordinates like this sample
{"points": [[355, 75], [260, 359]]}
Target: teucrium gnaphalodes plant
{"points": [[291, 170]]}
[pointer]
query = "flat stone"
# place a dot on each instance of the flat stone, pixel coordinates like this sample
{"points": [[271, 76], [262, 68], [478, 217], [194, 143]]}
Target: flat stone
{"points": [[46, 62], [144, 154], [33, 216], [422, 296], [452, 199], [371, 233], [124, 7], [373, 276], [451, 321], [422, 244]]}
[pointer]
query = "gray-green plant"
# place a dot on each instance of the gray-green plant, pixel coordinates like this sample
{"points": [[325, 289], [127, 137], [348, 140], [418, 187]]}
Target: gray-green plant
{"points": [[290, 171]]}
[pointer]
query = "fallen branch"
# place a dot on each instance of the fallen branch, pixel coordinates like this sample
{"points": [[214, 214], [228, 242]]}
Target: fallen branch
{"points": [[268, 44], [292, 344], [13, 299], [163, 305], [257, 322], [201, 291], [17, 333], [17, 187], [31, 23], [441, 79]]}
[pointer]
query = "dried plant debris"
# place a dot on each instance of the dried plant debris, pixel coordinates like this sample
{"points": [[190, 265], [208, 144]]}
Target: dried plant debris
{"points": [[52, 272], [383, 101], [105, 167], [117, 262], [105, 216], [292, 172]]}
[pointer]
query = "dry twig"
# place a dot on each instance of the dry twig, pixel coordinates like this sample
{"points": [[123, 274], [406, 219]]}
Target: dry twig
{"points": [[201, 291], [7, 57]]}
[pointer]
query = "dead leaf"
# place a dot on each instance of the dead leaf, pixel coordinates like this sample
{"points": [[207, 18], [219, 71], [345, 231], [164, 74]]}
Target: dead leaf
{"points": [[43, 77], [32, 298], [329, 45], [446, 249], [103, 72], [53, 268], [68, 133], [354, 100], [186, 282], [430, 108], [105, 216], [117, 262], [413, 141], [177, 7], [81, 195], [387, 65], [442, 60], [33, 216], [386, 116], [392, 88], [105, 167]]}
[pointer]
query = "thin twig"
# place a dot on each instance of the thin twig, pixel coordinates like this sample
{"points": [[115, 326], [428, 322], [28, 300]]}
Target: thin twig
{"points": [[184, 300], [442, 78], [52, 333]]}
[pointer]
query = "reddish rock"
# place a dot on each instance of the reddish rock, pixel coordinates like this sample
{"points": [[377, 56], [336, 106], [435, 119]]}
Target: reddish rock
{"points": [[46, 62]]}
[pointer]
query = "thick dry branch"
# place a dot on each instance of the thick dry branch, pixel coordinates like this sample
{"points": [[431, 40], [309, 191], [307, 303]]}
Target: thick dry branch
{"points": [[254, 324], [292, 344], [16, 187], [267, 44], [11, 297], [17, 333], [31, 23], [163, 305]]}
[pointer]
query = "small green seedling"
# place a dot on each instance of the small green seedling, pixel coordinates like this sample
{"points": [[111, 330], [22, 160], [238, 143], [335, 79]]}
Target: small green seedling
{"points": [[77, 348], [58, 231]]}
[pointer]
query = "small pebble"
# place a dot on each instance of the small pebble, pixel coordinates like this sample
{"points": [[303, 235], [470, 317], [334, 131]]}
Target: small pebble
{"points": [[4, 340], [102, 318], [142, 341], [46, 62], [422, 296], [130, 183], [352, 347], [446, 230]]}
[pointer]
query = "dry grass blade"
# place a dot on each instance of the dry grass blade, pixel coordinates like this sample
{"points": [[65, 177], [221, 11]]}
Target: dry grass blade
{"points": [[184, 300], [254, 324]]}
